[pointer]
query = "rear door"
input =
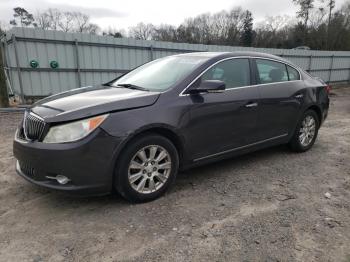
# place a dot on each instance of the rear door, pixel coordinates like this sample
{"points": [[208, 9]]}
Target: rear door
{"points": [[227, 120], [281, 95]]}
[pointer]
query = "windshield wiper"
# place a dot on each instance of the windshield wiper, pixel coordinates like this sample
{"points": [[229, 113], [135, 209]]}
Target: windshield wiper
{"points": [[131, 86]]}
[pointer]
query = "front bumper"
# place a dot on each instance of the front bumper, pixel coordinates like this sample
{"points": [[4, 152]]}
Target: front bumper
{"points": [[88, 163]]}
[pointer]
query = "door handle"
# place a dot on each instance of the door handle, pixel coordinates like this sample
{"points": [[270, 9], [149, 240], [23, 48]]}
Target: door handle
{"points": [[299, 96], [251, 105]]}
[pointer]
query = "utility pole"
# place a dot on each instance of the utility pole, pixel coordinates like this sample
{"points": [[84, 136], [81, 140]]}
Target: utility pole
{"points": [[331, 5], [4, 101]]}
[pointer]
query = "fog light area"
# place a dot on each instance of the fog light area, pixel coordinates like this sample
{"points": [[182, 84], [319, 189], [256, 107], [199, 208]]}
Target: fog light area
{"points": [[60, 179]]}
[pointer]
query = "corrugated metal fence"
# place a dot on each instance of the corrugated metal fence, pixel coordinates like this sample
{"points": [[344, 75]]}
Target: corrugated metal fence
{"points": [[89, 59]]}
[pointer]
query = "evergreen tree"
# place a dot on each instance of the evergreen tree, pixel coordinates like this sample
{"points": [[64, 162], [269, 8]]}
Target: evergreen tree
{"points": [[25, 18], [247, 33]]}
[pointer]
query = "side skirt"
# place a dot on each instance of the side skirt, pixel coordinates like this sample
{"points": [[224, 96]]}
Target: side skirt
{"points": [[278, 140]]}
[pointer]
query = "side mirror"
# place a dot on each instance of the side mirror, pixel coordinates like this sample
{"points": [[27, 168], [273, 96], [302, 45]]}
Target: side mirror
{"points": [[209, 86]]}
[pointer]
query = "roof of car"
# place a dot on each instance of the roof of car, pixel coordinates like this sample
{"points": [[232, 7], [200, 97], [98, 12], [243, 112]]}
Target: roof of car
{"points": [[223, 55], [228, 54]]}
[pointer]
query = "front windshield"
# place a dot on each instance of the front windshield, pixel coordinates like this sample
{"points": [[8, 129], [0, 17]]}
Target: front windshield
{"points": [[160, 74]]}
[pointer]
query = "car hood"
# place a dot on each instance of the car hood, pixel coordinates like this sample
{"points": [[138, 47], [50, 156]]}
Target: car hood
{"points": [[89, 101]]}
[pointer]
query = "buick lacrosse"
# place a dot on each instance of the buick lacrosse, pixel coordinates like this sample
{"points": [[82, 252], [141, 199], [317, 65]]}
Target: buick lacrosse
{"points": [[136, 132]]}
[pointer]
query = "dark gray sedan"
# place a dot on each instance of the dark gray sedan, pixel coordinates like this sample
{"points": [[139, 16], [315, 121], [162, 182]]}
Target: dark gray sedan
{"points": [[136, 132]]}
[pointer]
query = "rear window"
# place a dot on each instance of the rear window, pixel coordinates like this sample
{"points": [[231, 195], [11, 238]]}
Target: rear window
{"points": [[293, 74], [271, 71]]}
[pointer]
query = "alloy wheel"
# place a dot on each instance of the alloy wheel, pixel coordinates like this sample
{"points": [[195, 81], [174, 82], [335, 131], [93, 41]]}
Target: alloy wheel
{"points": [[149, 169], [307, 131]]}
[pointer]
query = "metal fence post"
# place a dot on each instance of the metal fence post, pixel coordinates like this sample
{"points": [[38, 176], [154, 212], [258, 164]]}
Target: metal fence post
{"points": [[151, 51], [3, 52], [8, 70], [331, 69], [77, 61], [4, 102], [310, 64], [349, 72], [18, 67]]}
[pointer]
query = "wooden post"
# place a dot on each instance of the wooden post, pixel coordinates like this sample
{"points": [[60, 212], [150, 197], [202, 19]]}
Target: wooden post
{"points": [[4, 101]]}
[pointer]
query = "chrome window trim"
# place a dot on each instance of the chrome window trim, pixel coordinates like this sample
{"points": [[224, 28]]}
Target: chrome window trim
{"points": [[240, 87], [285, 64], [240, 147]]}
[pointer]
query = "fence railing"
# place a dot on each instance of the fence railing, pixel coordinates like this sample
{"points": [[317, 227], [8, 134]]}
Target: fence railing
{"points": [[81, 59]]}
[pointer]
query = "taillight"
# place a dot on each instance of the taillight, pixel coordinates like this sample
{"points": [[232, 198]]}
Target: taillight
{"points": [[328, 89]]}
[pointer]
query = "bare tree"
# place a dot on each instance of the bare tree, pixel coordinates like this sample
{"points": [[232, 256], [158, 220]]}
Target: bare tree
{"points": [[165, 33], [48, 19], [66, 22], [220, 28], [3, 27], [142, 31], [330, 5], [81, 21], [327, 27], [305, 6], [317, 18], [235, 25], [275, 23], [54, 19], [43, 21]]}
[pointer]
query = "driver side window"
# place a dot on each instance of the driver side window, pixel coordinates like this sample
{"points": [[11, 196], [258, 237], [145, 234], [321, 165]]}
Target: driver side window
{"points": [[234, 72]]}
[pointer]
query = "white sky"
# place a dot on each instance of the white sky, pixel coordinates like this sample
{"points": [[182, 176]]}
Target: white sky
{"points": [[121, 14]]}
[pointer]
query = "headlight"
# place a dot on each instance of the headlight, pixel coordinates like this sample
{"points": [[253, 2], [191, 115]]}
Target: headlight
{"points": [[73, 131]]}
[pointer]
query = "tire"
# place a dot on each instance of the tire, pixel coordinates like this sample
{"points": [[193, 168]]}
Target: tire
{"points": [[136, 168], [296, 143]]}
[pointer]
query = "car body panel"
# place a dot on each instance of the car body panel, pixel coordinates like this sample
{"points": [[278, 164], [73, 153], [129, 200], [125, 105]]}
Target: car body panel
{"points": [[222, 121], [91, 101], [279, 107], [88, 163]]}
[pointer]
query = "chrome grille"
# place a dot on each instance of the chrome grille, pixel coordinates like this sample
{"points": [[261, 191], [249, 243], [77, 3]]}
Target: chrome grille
{"points": [[33, 126]]}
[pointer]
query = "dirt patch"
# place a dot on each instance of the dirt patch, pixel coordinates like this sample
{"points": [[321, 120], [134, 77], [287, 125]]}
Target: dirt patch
{"points": [[267, 206]]}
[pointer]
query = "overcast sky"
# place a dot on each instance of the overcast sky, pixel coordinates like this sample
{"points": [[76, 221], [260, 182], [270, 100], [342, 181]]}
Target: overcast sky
{"points": [[119, 14]]}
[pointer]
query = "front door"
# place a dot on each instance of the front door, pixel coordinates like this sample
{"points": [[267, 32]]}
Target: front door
{"points": [[227, 120]]}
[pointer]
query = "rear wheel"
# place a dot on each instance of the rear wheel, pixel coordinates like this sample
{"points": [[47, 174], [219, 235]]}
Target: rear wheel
{"points": [[147, 168], [306, 132]]}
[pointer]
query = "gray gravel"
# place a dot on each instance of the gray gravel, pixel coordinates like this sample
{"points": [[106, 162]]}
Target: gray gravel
{"points": [[267, 206]]}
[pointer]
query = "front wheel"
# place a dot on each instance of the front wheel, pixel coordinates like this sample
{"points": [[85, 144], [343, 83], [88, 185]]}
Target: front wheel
{"points": [[147, 168], [306, 132]]}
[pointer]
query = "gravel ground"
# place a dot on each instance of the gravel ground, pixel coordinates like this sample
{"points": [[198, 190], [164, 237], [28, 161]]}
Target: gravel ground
{"points": [[265, 206]]}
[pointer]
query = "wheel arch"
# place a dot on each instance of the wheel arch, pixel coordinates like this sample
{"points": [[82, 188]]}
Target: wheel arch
{"points": [[313, 107], [162, 130], [318, 111]]}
